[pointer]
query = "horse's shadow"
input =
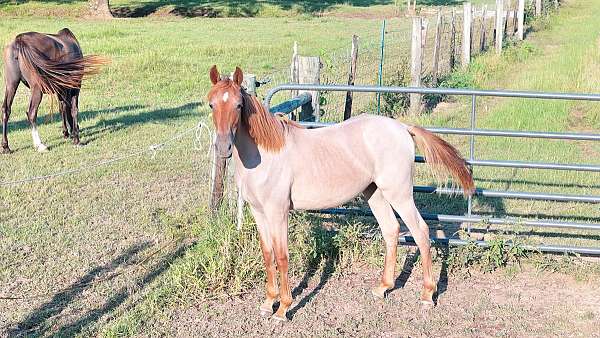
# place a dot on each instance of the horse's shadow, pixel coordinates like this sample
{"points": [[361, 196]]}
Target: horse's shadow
{"points": [[325, 259], [42, 319]]}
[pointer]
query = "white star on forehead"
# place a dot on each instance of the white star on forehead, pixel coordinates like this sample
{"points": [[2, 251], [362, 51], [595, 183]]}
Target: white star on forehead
{"points": [[225, 96]]}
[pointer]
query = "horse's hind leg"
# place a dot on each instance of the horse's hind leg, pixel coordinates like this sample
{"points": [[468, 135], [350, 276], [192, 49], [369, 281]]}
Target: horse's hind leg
{"points": [[11, 79], [390, 228], [34, 104], [74, 114], [9, 95], [405, 206], [65, 113]]}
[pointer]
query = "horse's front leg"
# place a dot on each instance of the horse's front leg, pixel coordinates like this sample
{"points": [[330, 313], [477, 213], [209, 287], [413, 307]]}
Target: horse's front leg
{"points": [[278, 227], [266, 245]]}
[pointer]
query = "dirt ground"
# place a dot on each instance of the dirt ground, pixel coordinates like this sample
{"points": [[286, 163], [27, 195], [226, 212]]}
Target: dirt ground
{"points": [[481, 305]]}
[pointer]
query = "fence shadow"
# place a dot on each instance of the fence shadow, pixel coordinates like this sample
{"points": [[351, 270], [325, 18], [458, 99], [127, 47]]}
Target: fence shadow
{"points": [[21, 124], [130, 116], [127, 120]]}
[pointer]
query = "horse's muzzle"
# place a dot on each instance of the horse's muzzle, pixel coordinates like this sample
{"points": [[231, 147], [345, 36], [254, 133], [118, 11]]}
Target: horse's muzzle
{"points": [[224, 145]]}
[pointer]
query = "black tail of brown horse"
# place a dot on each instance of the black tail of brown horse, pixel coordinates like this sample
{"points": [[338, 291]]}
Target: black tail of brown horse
{"points": [[54, 77]]}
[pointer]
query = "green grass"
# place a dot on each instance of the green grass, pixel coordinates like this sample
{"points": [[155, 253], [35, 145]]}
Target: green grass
{"points": [[56, 231], [88, 227]]}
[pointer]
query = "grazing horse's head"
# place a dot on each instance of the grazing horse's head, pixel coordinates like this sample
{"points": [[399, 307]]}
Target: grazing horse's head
{"points": [[226, 101]]}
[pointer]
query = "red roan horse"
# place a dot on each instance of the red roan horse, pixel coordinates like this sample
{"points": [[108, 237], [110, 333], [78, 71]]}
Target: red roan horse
{"points": [[47, 64], [280, 166]]}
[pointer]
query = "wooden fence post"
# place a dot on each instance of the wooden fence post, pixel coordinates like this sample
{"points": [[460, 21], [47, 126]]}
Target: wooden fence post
{"points": [[521, 19], [452, 58], [217, 178], [309, 72], [514, 22], [499, 25], [505, 23], [416, 51], [294, 71], [250, 83], [351, 77], [466, 42], [436, 48], [538, 7], [483, 27]]}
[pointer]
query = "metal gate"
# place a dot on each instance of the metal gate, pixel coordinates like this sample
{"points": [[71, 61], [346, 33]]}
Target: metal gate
{"points": [[470, 218]]}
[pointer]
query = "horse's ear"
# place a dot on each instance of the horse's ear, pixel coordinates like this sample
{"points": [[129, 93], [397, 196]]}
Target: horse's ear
{"points": [[214, 75], [238, 76]]}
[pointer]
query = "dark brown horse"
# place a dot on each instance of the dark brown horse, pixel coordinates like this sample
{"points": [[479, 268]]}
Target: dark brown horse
{"points": [[47, 64]]}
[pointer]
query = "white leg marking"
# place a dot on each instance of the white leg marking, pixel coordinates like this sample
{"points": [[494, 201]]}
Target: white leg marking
{"points": [[37, 141]]}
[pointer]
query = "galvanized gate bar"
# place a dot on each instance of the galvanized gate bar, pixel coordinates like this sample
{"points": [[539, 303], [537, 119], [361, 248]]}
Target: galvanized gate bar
{"points": [[419, 90], [514, 133], [488, 132], [483, 244], [525, 165], [506, 164], [511, 194], [472, 219], [474, 162]]}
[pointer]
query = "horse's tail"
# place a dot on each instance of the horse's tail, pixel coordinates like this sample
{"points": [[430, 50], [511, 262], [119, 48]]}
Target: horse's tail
{"points": [[443, 158], [54, 77]]}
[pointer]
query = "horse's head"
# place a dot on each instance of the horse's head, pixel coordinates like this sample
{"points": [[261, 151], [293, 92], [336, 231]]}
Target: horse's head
{"points": [[226, 101]]}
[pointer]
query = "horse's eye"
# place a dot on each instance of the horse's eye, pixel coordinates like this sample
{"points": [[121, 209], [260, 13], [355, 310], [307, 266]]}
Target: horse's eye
{"points": [[210, 105], [239, 106]]}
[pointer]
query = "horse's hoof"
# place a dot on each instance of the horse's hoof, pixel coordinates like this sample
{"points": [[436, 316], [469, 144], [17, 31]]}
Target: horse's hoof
{"points": [[427, 303], [42, 148], [78, 145], [279, 318], [265, 312], [5, 150], [378, 292]]}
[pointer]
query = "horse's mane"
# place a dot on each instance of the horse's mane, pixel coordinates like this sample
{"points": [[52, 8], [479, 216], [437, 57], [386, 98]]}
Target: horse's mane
{"points": [[267, 130]]}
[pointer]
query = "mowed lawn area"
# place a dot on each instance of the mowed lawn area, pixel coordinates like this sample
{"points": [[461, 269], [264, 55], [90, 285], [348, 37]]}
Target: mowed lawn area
{"points": [[118, 249]]}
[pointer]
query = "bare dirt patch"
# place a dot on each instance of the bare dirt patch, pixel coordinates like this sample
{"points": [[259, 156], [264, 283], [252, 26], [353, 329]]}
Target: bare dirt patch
{"points": [[526, 304]]}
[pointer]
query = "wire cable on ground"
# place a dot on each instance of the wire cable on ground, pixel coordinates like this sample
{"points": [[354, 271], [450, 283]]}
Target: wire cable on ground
{"points": [[154, 148]]}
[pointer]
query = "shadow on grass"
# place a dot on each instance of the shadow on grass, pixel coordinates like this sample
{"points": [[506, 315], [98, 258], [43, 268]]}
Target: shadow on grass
{"points": [[40, 320], [119, 122], [235, 8], [37, 322], [325, 258], [129, 116]]}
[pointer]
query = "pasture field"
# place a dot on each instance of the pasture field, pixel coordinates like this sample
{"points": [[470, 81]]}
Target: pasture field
{"points": [[129, 249]]}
